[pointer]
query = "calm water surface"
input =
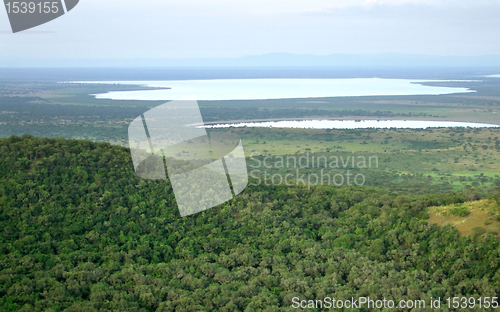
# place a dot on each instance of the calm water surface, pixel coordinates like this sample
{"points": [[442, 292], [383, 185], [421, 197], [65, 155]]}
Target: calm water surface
{"points": [[353, 124], [255, 89]]}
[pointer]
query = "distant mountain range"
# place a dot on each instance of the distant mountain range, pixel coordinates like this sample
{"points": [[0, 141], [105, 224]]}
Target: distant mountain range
{"points": [[350, 60], [273, 60]]}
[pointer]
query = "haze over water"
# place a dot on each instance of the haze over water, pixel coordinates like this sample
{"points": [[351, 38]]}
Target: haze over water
{"points": [[257, 89]]}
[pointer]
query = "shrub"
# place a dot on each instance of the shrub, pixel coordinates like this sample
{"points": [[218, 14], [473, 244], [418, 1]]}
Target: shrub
{"points": [[460, 211]]}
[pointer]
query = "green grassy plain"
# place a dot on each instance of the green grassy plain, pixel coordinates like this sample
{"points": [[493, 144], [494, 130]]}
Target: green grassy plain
{"points": [[434, 159]]}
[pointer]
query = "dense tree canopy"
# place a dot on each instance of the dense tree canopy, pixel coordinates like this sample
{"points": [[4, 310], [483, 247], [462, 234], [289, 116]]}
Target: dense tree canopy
{"points": [[80, 232]]}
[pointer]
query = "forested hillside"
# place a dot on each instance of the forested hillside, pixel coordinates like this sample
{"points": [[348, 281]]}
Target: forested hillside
{"points": [[80, 232]]}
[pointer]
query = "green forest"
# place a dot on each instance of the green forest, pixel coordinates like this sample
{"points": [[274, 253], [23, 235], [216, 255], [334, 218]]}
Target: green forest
{"points": [[81, 232]]}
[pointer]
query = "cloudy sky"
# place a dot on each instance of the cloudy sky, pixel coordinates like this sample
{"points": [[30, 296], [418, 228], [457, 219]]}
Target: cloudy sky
{"points": [[154, 29]]}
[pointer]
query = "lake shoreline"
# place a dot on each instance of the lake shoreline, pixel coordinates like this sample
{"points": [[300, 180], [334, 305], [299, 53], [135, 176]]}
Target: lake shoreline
{"points": [[347, 118], [343, 123], [270, 88]]}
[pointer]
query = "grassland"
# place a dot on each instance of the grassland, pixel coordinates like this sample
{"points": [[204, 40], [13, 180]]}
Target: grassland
{"points": [[471, 218], [456, 157]]}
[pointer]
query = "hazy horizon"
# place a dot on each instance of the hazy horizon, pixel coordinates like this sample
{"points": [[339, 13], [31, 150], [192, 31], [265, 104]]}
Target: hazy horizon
{"points": [[124, 31], [278, 59]]}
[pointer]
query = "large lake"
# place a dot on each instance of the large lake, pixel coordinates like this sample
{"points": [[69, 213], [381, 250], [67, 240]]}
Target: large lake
{"points": [[255, 89], [352, 124]]}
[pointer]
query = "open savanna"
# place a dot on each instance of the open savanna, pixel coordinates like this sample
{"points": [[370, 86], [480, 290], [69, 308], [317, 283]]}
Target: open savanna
{"points": [[456, 157], [470, 218]]}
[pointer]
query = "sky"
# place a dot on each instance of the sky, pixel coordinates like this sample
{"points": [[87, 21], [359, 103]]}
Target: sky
{"points": [[159, 29]]}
